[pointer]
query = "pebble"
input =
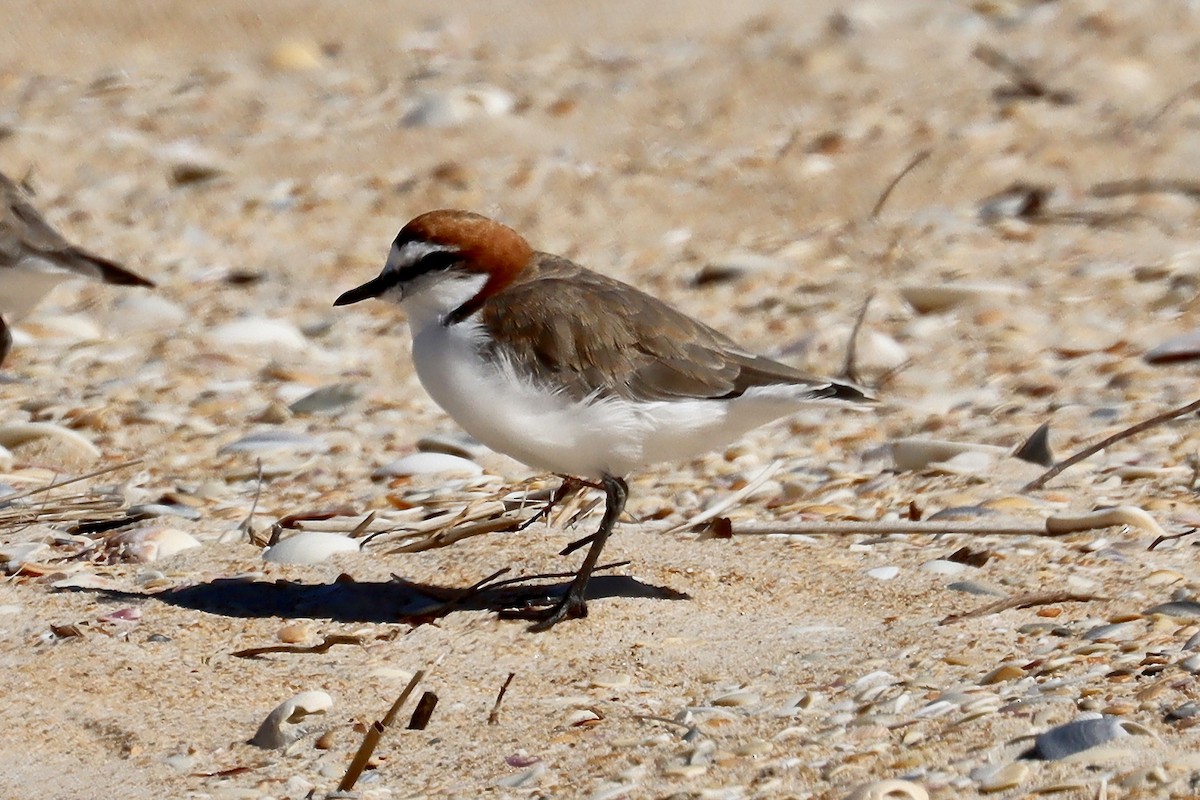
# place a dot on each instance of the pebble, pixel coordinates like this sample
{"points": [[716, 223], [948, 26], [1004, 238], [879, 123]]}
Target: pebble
{"points": [[297, 55], [188, 162], [444, 109], [287, 723], [294, 633], [883, 573], [427, 464], [309, 547]]}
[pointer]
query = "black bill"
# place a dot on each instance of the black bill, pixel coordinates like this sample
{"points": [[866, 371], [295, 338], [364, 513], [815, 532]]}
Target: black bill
{"points": [[372, 288]]}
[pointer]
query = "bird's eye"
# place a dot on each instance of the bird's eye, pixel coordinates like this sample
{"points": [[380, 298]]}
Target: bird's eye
{"points": [[435, 262]]}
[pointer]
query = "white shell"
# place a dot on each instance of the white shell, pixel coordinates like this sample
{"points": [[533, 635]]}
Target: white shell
{"points": [[930, 299], [151, 544], [309, 547], [22, 432], [889, 790], [883, 573], [458, 105], [915, 454], [283, 725], [259, 332], [428, 464]]}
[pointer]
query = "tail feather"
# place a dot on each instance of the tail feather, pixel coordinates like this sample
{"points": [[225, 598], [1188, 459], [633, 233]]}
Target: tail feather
{"points": [[106, 270], [841, 391]]}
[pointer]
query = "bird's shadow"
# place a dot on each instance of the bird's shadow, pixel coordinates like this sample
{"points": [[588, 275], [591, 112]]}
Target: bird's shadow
{"points": [[397, 600]]}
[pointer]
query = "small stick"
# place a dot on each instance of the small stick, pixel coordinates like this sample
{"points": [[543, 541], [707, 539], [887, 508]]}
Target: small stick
{"points": [[424, 710], [494, 716], [373, 735], [323, 647], [1022, 601], [850, 365], [247, 524], [879, 528], [1091, 450], [56, 484], [395, 709], [1190, 189], [916, 161]]}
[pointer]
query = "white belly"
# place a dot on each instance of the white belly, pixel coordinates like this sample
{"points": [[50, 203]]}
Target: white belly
{"points": [[22, 286], [552, 432]]}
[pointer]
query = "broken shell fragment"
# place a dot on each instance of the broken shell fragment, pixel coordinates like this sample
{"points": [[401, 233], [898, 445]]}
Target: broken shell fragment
{"points": [[1064, 741], [285, 725], [889, 790]]}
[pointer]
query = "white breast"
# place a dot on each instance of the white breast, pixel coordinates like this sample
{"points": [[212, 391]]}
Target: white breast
{"points": [[509, 413]]}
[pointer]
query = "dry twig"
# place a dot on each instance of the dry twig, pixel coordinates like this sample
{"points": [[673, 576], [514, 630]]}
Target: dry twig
{"points": [[373, 735], [850, 365], [494, 716], [1091, 450], [1022, 601], [916, 161], [323, 647]]}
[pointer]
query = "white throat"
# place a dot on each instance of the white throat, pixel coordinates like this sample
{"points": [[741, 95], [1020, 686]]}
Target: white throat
{"points": [[429, 305]]}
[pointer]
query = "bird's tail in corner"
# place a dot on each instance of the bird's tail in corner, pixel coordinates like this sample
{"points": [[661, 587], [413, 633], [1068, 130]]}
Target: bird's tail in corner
{"points": [[112, 272], [842, 391]]}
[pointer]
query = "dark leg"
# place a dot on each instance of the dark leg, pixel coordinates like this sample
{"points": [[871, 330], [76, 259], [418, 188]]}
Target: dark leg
{"points": [[574, 604], [5, 341]]}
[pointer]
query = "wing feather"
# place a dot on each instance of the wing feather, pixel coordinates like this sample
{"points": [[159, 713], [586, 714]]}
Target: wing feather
{"points": [[606, 338]]}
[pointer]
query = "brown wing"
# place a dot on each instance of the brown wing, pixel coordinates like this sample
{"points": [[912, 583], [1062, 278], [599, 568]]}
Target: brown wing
{"points": [[24, 233], [604, 337]]}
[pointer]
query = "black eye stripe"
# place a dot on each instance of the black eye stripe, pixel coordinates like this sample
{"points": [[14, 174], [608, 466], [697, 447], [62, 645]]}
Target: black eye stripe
{"points": [[434, 261]]}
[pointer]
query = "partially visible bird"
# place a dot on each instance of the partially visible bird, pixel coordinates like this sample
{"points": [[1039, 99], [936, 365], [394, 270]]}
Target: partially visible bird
{"points": [[34, 258], [568, 370]]}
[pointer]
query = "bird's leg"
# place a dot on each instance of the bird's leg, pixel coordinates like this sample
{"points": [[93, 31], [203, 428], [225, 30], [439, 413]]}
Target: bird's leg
{"points": [[574, 604], [5, 341], [568, 486]]}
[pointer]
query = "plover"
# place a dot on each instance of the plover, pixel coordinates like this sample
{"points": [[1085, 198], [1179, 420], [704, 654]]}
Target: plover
{"points": [[568, 370], [34, 258]]}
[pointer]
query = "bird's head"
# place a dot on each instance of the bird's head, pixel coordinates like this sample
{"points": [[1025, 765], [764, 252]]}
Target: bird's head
{"points": [[447, 263]]}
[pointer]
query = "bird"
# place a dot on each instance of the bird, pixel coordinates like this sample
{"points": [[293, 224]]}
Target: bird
{"points": [[34, 258], [568, 370]]}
